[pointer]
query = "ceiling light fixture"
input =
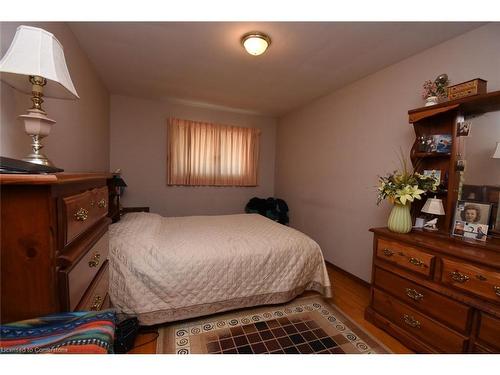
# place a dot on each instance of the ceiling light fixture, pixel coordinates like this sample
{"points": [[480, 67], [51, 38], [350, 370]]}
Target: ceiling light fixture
{"points": [[255, 42]]}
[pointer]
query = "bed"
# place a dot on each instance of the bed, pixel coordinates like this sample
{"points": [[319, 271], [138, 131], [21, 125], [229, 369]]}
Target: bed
{"points": [[165, 269]]}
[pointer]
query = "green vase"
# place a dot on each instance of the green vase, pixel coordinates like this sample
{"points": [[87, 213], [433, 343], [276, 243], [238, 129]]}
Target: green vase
{"points": [[400, 218]]}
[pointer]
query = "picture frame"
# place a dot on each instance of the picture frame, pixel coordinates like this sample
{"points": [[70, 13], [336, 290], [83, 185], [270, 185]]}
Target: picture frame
{"points": [[464, 128], [460, 165], [436, 173], [458, 228], [472, 212], [496, 219], [442, 143], [430, 144], [475, 231]]}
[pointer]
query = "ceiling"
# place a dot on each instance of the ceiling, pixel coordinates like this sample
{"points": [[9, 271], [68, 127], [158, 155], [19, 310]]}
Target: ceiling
{"points": [[204, 62]]}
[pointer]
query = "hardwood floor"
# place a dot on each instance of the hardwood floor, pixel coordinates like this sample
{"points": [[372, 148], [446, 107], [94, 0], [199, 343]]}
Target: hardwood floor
{"points": [[349, 294], [353, 296]]}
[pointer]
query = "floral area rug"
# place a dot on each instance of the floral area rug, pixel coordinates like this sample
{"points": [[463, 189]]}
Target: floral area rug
{"points": [[309, 325]]}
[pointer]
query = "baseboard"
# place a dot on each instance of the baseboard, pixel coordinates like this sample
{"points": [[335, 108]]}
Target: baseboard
{"points": [[348, 274]]}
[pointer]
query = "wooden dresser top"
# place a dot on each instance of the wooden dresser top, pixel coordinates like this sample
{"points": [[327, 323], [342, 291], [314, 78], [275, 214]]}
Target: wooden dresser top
{"points": [[440, 241], [50, 179]]}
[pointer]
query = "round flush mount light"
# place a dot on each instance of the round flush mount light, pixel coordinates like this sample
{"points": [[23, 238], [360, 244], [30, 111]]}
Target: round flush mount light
{"points": [[255, 43]]}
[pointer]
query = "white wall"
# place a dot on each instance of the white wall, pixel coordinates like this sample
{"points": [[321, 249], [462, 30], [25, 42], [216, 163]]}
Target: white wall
{"points": [[330, 152], [79, 141], [479, 146], [138, 147]]}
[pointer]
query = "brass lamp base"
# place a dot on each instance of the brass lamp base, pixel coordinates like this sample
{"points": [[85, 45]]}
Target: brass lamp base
{"points": [[38, 158], [37, 125]]}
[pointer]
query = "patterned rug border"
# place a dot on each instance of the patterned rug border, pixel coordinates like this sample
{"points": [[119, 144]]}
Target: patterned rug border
{"points": [[389, 351], [241, 317]]}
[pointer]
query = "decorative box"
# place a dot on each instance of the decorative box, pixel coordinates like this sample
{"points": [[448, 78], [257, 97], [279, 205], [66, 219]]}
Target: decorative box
{"points": [[469, 88]]}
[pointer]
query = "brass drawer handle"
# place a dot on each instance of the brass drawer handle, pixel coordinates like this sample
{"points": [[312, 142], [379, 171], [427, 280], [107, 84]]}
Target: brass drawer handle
{"points": [[96, 305], [388, 253], [81, 214], [413, 294], [102, 203], [411, 321], [94, 262], [416, 262], [459, 277], [496, 288]]}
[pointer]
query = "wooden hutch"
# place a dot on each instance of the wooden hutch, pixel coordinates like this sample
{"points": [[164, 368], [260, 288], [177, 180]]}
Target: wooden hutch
{"points": [[435, 292]]}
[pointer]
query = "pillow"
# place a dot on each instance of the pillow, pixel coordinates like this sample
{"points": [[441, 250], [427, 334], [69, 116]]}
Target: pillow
{"points": [[73, 332]]}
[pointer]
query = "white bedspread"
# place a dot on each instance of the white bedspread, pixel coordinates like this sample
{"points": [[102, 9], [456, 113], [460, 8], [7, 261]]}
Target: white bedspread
{"points": [[170, 268]]}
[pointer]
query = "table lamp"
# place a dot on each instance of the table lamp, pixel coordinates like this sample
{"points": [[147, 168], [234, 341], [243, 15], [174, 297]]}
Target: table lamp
{"points": [[35, 63], [433, 206], [496, 153]]}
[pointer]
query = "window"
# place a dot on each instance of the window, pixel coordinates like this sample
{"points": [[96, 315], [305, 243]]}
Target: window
{"points": [[200, 153]]}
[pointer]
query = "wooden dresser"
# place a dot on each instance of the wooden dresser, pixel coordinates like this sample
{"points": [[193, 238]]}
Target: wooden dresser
{"points": [[54, 244], [436, 293]]}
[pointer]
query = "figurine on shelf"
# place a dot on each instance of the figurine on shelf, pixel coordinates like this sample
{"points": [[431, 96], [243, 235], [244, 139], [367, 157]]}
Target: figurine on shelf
{"points": [[431, 224], [434, 92], [422, 143]]}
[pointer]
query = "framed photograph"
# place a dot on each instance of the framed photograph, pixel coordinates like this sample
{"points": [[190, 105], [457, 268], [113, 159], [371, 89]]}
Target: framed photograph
{"points": [[497, 221], [476, 231], [430, 144], [472, 212], [463, 128], [443, 143], [458, 228], [433, 173], [469, 230], [496, 218]]}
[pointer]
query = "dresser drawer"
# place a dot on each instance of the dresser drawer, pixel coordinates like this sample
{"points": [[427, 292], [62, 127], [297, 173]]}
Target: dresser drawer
{"points": [[96, 296], [406, 256], [83, 210], [418, 324], [424, 299], [489, 331], [82, 274], [472, 279]]}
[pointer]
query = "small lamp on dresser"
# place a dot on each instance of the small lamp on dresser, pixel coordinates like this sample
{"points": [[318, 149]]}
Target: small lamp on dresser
{"points": [[433, 206], [35, 63], [496, 153], [116, 185]]}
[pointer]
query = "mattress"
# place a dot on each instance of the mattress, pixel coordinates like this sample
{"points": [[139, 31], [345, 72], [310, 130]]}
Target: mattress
{"points": [[164, 269]]}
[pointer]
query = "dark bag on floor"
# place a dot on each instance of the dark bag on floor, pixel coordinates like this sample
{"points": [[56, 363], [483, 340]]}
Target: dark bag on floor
{"points": [[125, 334], [275, 209]]}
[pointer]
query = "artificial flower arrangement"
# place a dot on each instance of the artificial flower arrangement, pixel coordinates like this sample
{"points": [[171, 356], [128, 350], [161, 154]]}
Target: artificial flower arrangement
{"points": [[436, 88], [405, 186]]}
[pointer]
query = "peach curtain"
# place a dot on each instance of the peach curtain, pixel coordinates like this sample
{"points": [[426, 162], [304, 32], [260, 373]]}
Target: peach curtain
{"points": [[200, 153]]}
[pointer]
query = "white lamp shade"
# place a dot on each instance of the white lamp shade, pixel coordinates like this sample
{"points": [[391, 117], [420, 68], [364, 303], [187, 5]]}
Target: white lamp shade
{"points": [[36, 52], [496, 154], [433, 206]]}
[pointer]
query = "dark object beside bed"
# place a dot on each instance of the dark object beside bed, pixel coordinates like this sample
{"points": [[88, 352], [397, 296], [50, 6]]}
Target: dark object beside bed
{"points": [[274, 208]]}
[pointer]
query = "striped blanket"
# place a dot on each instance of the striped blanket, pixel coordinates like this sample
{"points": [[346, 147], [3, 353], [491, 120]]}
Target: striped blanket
{"points": [[72, 332]]}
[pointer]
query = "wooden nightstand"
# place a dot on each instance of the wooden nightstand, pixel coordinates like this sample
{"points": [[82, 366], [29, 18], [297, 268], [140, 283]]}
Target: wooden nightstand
{"points": [[54, 232]]}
